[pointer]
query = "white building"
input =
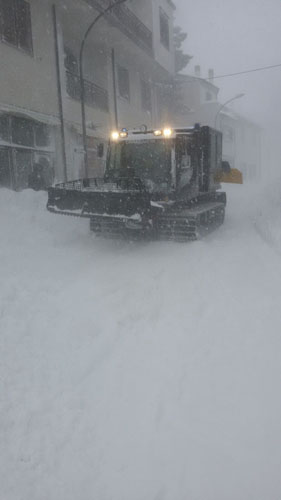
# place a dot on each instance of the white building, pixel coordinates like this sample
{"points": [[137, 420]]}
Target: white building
{"points": [[128, 61], [196, 101], [242, 143]]}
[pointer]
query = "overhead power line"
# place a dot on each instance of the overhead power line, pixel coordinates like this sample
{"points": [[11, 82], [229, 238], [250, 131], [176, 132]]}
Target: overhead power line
{"points": [[247, 71]]}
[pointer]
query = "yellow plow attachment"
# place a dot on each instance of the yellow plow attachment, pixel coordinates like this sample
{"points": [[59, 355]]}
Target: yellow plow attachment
{"points": [[233, 176]]}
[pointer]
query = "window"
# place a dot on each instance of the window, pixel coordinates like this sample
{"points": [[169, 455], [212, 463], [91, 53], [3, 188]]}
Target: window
{"points": [[42, 136], [15, 23], [5, 171], [70, 61], [146, 102], [164, 29], [73, 85], [8, 25], [22, 131], [123, 83], [23, 25], [4, 128]]}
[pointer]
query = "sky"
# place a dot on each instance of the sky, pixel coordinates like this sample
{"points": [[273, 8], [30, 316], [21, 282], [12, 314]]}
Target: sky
{"points": [[232, 36]]}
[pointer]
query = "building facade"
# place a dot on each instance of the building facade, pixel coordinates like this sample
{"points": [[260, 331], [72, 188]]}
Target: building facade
{"points": [[128, 63]]}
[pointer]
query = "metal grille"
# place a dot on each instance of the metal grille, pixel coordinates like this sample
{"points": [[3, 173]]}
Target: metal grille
{"points": [[94, 95], [134, 24], [96, 183], [81, 184], [131, 23]]}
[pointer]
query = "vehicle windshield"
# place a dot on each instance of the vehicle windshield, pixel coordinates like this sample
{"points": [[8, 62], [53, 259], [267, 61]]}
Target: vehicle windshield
{"points": [[148, 160]]}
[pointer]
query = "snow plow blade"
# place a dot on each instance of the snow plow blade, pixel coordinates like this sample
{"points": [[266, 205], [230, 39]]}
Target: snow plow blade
{"points": [[88, 197]]}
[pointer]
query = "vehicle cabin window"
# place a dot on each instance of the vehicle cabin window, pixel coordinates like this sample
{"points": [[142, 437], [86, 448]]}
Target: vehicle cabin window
{"points": [[123, 82], [15, 23], [146, 102], [184, 161], [164, 29], [149, 161], [183, 153]]}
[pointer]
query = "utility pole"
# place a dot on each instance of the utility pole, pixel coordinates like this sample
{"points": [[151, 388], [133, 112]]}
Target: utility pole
{"points": [[82, 86]]}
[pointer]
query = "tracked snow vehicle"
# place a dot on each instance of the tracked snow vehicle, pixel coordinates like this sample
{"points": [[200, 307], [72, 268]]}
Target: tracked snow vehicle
{"points": [[160, 184]]}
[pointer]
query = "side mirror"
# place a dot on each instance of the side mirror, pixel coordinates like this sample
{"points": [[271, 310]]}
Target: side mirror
{"points": [[225, 167], [100, 150]]}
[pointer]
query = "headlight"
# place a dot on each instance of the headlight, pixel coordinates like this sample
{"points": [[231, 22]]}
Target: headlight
{"points": [[115, 135], [167, 132], [123, 134], [157, 132]]}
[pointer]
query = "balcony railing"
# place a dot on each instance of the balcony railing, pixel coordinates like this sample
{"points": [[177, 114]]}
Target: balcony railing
{"points": [[94, 95], [131, 24]]}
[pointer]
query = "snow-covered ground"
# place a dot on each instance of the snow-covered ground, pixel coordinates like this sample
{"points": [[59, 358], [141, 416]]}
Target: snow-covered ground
{"points": [[140, 371]]}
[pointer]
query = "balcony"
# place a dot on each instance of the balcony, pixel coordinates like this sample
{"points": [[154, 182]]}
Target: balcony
{"points": [[95, 96], [128, 22]]}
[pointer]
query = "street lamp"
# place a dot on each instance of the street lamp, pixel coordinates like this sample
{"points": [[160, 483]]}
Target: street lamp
{"points": [[82, 87], [238, 96]]}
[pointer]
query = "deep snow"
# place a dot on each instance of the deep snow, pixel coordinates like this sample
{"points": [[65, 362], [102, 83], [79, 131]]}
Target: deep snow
{"points": [[140, 371]]}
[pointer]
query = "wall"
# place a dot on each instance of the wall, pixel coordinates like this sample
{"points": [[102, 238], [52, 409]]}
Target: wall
{"points": [[29, 81]]}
